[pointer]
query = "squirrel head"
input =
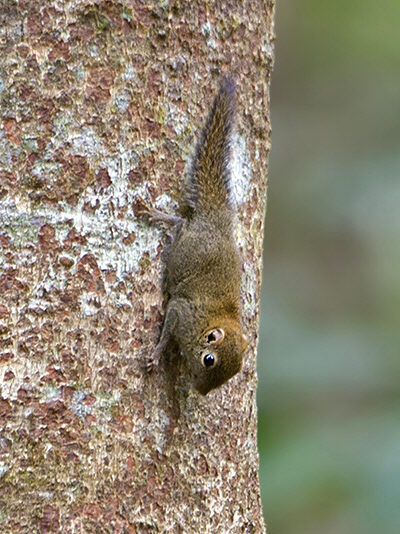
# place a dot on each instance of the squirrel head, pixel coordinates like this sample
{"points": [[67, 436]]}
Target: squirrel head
{"points": [[217, 356]]}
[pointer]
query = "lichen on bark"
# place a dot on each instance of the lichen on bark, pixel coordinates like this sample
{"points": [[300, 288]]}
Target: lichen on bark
{"points": [[100, 105]]}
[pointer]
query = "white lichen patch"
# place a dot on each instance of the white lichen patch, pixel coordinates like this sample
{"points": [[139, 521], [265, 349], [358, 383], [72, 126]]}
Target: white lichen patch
{"points": [[85, 142], [267, 49], [21, 367], [120, 300], [39, 305], [50, 393], [47, 170], [102, 407], [105, 232], [50, 280], [93, 51], [103, 229], [3, 468], [122, 100], [206, 30], [82, 140], [20, 226], [176, 119], [77, 405], [240, 167], [248, 289], [5, 149], [79, 73], [156, 428], [129, 73], [90, 304], [63, 123], [30, 144], [46, 494], [125, 259], [165, 203], [163, 421], [163, 3], [118, 166]]}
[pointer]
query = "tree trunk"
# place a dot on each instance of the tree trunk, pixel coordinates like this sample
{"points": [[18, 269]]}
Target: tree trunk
{"points": [[101, 104]]}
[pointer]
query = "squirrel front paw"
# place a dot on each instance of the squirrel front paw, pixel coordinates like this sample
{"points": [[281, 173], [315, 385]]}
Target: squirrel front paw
{"points": [[150, 364]]}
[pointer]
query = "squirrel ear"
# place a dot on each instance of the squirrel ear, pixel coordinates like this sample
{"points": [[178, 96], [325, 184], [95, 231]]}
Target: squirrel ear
{"points": [[215, 336]]}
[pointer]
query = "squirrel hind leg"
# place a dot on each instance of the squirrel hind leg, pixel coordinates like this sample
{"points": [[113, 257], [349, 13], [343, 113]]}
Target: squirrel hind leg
{"points": [[158, 216], [165, 218]]}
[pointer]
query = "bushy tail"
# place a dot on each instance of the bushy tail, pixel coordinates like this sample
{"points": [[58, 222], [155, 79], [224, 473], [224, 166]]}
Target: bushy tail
{"points": [[209, 184]]}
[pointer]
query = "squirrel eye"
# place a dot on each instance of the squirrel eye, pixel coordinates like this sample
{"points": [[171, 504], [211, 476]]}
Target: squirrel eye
{"points": [[209, 360]]}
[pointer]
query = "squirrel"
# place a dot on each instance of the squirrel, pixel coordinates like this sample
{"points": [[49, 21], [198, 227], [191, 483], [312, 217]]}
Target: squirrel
{"points": [[204, 265]]}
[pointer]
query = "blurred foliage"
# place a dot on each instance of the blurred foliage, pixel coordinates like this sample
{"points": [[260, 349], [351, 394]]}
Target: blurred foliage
{"points": [[329, 353]]}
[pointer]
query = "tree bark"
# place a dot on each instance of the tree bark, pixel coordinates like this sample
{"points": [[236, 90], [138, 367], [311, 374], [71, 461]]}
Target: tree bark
{"points": [[101, 102]]}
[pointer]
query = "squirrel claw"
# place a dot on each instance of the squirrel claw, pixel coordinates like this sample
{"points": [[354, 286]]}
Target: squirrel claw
{"points": [[142, 209], [155, 215], [150, 364]]}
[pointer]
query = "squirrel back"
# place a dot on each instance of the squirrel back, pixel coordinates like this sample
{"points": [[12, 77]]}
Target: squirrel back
{"points": [[208, 189]]}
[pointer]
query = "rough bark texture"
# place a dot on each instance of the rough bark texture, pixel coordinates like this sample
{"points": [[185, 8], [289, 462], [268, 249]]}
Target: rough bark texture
{"points": [[100, 104]]}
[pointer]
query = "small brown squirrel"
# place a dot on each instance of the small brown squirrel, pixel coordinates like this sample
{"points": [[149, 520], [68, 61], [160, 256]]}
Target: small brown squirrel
{"points": [[204, 265]]}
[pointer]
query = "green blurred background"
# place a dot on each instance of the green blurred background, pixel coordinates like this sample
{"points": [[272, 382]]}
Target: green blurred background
{"points": [[329, 353]]}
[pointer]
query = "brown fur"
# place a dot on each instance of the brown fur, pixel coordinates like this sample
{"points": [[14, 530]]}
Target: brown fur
{"points": [[204, 266]]}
